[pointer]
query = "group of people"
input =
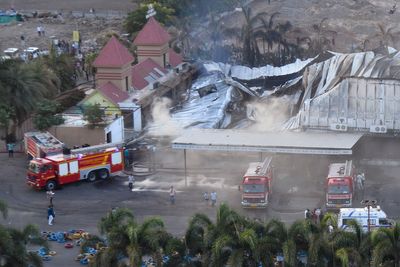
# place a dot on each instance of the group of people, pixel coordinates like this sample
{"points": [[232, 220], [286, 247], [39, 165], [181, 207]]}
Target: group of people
{"points": [[212, 196], [40, 30], [315, 215]]}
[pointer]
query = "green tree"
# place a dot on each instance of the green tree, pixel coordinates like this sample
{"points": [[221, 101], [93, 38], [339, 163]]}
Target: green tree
{"points": [[22, 86], [386, 246], [62, 66], [93, 114], [137, 18], [14, 243], [45, 115], [128, 238]]}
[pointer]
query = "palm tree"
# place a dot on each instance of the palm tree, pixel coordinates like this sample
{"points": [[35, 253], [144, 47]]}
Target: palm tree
{"points": [[129, 239], [386, 246], [13, 246], [352, 247], [251, 53], [62, 66], [23, 85], [385, 35]]}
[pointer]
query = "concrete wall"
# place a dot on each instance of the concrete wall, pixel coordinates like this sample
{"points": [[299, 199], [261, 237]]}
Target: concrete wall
{"points": [[77, 136]]}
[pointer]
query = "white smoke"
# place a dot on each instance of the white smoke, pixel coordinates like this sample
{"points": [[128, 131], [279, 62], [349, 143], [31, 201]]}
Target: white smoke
{"points": [[269, 115], [162, 124]]}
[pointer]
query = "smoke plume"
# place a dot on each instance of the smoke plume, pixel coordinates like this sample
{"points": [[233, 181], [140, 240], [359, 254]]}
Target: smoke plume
{"points": [[162, 124]]}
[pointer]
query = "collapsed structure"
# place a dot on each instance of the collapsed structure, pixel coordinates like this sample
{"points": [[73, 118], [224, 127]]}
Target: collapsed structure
{"points": [[354, 92]]}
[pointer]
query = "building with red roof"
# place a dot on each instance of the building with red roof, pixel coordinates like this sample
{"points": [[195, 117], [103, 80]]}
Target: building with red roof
{"points": [[145, 73], [114, 64], [152, 42]]}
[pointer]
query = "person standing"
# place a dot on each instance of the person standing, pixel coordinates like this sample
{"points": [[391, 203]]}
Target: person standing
{"points": [[126, 158], [206, 197], [39, 30], [10, 148], [213, 196], [50, 214], [131, 182], [50, 196], [172, 194], [42, 30], [307, 214], [317, 214]]}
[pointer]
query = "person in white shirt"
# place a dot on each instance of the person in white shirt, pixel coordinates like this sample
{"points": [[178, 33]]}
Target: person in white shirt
{"points": [[131, 182], [213, 197], [172, 193]]}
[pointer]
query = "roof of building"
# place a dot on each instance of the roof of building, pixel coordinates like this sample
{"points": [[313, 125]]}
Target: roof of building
{"points": [[152, 34], [113, 93], [319, 143], [113, 54], [146, 72], [174, 58]]}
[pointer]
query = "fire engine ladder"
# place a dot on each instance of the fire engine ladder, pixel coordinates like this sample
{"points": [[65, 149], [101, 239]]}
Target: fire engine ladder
{"points": [[96, 148], [265, 165], [348, 167]]}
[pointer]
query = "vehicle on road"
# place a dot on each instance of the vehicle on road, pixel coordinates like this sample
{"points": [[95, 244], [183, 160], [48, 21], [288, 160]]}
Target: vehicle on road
{"points": [[377, 218], [89, 163], [41, 144], [341, 185], [257, 184]]}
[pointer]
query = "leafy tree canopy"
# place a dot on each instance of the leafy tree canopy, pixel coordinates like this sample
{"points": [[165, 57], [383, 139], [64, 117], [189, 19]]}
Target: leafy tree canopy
{"points": [[93, 114], [137, 18], [45, 116]]}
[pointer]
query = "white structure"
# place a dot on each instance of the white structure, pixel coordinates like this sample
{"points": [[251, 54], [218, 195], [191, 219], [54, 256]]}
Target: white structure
{"points": [[114, 132], [377, 217]]}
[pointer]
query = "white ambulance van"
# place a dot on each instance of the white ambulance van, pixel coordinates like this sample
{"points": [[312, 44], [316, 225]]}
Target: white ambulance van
{"points": [[377, 217]]}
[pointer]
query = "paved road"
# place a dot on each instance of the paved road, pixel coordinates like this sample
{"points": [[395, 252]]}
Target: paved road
{"points": [[298, 185]]}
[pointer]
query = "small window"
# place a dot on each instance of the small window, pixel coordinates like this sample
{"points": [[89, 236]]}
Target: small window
{"points": [[73, 167], [116, 158], [63, 169]]}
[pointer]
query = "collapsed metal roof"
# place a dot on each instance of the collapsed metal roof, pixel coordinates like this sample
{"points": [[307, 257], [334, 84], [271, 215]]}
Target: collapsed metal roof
{"points": [[351, 92]]}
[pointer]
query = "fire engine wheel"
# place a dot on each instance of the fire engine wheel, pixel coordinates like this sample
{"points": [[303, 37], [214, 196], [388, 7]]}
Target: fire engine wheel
{"points": [[51, 185], [103, 174], [91, 176]]}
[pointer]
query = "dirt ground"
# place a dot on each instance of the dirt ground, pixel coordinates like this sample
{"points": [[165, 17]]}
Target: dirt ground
{"points": [[67, 5]]}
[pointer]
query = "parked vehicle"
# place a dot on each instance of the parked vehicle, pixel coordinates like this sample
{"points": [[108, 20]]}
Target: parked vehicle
{"points": [[341, 185], [377, 218], [42, 144], [89, 163], [12, 52], [257, 184]]}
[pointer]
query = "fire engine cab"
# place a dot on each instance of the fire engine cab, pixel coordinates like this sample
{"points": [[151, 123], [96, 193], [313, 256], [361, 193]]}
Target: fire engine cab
{"points": [[88, 163], [257, 184], [340, 185]]}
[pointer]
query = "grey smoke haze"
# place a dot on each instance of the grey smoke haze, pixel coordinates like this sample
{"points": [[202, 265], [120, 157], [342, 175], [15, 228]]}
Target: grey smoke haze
{"points": [[162, 121], [269, 115]]}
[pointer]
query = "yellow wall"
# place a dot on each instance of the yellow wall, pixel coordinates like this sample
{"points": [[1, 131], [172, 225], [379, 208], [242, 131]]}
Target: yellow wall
{"points": [[97, 98]]}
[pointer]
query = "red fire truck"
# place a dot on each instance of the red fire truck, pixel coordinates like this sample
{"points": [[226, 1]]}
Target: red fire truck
{"points": [[41, 144], [340, 185], [87, 163], [257, 184]]}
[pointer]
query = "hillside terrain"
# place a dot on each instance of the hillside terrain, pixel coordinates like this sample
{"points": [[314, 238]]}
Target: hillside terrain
{"points": [[348, 25]]}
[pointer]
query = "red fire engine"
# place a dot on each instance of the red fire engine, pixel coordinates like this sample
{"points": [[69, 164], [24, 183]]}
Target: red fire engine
{"points": [[87, 163], [257, 184], [41, 144], [340, 185]]}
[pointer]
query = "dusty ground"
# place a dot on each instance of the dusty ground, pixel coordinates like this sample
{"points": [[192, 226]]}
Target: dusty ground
{"points": [[349, 22], [298, 184], [67, 5]]}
